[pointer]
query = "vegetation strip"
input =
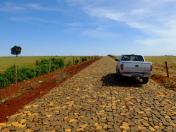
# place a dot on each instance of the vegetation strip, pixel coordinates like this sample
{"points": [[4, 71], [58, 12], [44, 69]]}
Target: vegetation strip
{"points": [[15, 74], [13, 105]]}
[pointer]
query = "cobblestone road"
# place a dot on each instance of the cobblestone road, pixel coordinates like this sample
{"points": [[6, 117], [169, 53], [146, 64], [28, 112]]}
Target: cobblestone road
{"points": [[94, 100]]}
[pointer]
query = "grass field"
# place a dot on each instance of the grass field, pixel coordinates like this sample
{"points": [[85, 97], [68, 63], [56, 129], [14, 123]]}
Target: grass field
{"points": [[161, 59], [27, 61], [159, 64]]}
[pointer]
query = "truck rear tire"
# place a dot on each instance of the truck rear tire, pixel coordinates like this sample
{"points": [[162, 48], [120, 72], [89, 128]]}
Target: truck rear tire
{"points": [[145, 80], [119, 77]]}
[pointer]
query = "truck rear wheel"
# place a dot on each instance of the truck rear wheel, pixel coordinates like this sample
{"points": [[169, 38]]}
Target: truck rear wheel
{"points": [[119, 77], [145, 80]]}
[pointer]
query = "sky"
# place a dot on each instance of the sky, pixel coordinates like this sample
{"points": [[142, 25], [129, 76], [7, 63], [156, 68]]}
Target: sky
{"points": [[88, 27]]}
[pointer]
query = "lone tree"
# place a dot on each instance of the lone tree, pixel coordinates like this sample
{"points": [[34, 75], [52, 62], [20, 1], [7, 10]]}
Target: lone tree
{"points": [[16, 50]]}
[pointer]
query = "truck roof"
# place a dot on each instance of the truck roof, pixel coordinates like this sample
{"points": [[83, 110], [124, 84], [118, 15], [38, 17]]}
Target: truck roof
{"points": [[131, 54]]}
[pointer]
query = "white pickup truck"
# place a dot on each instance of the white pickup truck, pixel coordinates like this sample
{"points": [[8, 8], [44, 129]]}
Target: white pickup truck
{"points": [[134, 66]]}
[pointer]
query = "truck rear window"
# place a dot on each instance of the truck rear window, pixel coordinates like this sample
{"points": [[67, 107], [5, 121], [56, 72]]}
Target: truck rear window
{"points": [[132, 58]]}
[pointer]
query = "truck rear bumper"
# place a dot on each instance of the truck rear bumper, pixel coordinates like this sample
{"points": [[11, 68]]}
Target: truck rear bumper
{"points": [[136, 74]]}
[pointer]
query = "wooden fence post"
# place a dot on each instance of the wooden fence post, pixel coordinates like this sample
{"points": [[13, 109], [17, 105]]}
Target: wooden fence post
{"points": [[49, 68], [16, 74], [167, 70], [73, 60]]}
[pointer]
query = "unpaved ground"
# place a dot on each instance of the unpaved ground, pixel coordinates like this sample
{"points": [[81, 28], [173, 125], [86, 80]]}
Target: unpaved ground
{"points": [[94, 100]]}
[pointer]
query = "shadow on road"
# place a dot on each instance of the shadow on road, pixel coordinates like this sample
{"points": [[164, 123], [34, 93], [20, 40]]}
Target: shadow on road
{"points": [[112, 80]]}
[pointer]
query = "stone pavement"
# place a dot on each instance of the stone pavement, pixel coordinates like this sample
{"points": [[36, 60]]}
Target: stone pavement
{"points": [[93, 100]]}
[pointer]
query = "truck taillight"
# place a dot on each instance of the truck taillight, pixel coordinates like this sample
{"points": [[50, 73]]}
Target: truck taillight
{"points": [[121, 66], [151, 68]]}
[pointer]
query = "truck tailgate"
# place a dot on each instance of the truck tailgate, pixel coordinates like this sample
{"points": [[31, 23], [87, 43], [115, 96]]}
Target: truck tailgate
{"points": [[138, 67]]}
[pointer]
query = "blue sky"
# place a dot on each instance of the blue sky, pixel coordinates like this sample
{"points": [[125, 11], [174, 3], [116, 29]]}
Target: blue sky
{"points": [[88, 27]]}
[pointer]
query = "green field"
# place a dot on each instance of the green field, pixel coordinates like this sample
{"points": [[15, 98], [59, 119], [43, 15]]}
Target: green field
{"points": [[28, 61]]}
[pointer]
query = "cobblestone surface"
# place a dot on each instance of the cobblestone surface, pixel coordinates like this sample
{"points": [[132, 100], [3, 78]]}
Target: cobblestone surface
{"points": [[94, 100]]}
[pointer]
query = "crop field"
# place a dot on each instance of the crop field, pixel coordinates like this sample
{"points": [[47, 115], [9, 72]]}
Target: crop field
{"points": [[29, 61]]}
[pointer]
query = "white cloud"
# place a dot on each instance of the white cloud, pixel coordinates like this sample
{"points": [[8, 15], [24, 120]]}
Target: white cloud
{"points": [[13, 7], [155, 18], [83, 2], [31, 19], [36, 6], [10, 7], [105, 13], [100, 33], [140, 11]]}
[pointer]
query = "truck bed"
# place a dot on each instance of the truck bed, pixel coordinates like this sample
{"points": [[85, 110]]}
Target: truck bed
{"points": [[136, 67]]}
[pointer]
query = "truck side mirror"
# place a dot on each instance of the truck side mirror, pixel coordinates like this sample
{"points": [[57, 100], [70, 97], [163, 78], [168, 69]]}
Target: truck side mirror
{"points": [[116, 59]]}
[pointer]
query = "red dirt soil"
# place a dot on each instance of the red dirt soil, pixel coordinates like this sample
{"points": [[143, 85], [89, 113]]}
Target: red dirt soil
{"points": [[12, 105], [169, 83]]}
